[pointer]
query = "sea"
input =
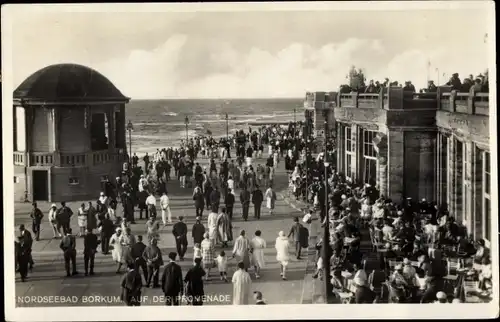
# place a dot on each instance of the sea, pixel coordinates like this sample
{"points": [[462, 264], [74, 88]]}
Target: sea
{"points": [[160, 124]]}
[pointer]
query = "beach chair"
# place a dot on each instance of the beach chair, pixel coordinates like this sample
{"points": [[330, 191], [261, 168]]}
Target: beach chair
{"points": [[453, 265], [471, 287]]}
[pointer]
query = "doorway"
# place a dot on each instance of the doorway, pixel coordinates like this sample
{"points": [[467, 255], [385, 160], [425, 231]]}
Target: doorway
{"points": [[40, 185]]}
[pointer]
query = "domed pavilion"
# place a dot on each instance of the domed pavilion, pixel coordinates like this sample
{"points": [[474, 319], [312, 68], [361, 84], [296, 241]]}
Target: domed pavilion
{"points": [[69, 133]]}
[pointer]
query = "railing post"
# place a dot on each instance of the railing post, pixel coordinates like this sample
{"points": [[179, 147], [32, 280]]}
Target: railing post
{"points": [[57, 158], [471, 106], [355, 96], [453, 104]]}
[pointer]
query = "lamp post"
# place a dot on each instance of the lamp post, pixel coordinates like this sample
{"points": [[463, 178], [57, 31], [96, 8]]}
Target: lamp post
{"points": [[186, 122], [130, 128], [227, 127]]}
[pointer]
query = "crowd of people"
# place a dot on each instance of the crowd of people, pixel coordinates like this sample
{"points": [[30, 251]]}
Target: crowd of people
{"points": [[478, 84], [417, 244], [138, 257], [421, 252]]}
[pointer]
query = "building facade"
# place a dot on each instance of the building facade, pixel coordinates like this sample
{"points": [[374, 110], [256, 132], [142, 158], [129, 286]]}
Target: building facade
{"points": [[69, 134], [432, 146]]}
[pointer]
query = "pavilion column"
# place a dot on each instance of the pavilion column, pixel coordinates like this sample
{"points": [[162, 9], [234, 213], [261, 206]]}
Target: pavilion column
{"points": [[477, 197], [29, 117], [468, 210], [380, 145], [56, 137], [355, 156], [452, 186], [396, 165]]}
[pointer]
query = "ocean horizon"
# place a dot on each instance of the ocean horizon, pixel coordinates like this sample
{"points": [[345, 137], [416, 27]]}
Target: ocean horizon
{"points": [[159, 123]]}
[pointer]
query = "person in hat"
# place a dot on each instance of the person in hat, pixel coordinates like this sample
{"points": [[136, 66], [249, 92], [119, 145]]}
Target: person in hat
{"points": [[282, 253], [68, 246], [197, 231], [258, 298], [441, 298], [180, 231], [36, 218], [153, 258], [117, 253]]}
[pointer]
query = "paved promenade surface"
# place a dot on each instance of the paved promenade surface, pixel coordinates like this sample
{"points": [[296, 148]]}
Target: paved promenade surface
{"points": [[49, 278]]}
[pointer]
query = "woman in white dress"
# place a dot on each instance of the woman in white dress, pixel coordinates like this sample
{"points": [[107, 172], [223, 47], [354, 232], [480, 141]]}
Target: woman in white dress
{"points": [[82, 219], [282, 254], [117, 252], [270, 196], [257, 246]]}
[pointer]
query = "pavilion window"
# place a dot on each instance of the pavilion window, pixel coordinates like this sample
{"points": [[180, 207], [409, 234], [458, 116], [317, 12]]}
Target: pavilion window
{"points": [[119, 130], [20, 129], [486, 196], [349, 151], [459, 180], [99, 132], [369, 157]]}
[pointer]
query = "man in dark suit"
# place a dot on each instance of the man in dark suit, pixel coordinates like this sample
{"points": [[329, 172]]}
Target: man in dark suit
{"points": [[137, 251], [107, 228], [245, 202], [171, 282], [153, 258], [90, 243], [229, 201], [27, 244], [199, 200], [215, 198], [257, 199], [68, 246], [180, 233]]}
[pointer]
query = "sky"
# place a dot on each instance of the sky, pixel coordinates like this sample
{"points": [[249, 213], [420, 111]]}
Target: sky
{"points": [[252, 54]]}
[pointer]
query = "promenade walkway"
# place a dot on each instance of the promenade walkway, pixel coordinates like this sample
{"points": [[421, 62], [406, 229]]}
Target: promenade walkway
{"points": [[49, 279]]}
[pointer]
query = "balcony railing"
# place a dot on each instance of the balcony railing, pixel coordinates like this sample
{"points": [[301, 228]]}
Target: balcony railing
{"points": [[41, 159], [19, 158], [472, 103], [73, 159], [361, 100], [67, 159]]}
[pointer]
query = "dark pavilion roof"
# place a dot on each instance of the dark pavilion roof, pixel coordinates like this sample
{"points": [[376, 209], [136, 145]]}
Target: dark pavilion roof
{"points": [[68, 83]]}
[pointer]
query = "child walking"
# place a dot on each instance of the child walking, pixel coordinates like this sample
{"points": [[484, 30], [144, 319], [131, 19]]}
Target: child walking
{"points": [[222, 266], [197, 252]]}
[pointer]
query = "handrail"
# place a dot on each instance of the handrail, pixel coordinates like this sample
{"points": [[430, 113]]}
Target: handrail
{"points": [[472, 103]]}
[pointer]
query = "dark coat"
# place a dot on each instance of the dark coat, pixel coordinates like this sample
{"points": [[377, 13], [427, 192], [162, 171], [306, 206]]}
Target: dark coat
{"points": [[197, 233], [257, 197], [199, 200], [194, 281], [171, 280], [180, 232]]}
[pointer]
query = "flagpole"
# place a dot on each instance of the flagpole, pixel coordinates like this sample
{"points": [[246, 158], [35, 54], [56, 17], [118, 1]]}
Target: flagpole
{"points": [[428, 66]]}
